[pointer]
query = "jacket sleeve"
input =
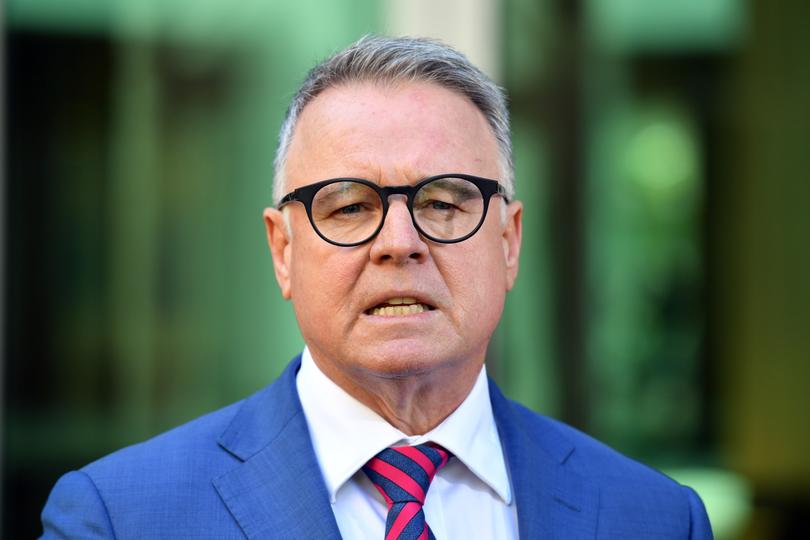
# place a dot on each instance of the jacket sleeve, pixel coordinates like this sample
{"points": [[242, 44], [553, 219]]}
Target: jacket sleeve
{"points": [[699, 526], [75, 509]]}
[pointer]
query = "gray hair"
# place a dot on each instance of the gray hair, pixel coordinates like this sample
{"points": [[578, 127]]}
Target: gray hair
{"points": [[390, 60]]}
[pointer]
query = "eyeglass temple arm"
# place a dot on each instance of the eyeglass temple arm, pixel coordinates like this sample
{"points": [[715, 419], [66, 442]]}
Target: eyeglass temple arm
{"points": [[288, 198], [502, 193]]}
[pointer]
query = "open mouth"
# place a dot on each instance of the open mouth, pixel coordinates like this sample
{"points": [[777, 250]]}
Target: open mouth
{"points": [[398, 307]]}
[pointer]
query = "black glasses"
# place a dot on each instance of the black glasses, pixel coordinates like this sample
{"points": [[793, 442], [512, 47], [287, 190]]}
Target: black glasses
{"points": [[347, 212]]}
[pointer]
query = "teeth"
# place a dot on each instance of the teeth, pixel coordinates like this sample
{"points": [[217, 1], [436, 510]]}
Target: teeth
{"points": [[403, 300], [399, 310]]}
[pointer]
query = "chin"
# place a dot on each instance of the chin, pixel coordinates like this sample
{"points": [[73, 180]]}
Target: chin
{"points": [[399, 360]]}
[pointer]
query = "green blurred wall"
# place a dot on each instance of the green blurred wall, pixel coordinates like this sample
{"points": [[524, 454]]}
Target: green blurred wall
{"points": [[185, 315], [763, 255], [691, 303]]}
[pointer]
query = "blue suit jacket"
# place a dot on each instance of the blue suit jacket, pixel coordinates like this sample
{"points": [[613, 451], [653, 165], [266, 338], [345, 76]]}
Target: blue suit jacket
{"points": [[249, 471]]}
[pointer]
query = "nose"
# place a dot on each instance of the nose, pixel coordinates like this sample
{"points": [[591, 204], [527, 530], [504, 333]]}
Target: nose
{"points": [[398, 240]]}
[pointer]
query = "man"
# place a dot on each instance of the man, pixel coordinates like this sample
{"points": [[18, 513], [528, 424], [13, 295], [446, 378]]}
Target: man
{"points": [[396, 237]]}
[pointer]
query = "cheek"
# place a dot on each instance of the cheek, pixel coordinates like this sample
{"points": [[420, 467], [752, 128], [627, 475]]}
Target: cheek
{"points": [[477, 281], [322, 275]]}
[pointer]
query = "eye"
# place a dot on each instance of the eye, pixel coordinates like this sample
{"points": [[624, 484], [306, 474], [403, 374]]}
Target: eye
{"points": [[441, 205], [350, 209]]}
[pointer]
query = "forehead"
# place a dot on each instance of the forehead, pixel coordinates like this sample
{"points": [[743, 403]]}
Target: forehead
{"points": [[390, 134]]}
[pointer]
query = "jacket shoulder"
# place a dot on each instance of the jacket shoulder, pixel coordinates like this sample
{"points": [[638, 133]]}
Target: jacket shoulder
{"points": [[153, 488], [166, 484], [632, 495], [198, 436], [204, 446], [586, 455]]}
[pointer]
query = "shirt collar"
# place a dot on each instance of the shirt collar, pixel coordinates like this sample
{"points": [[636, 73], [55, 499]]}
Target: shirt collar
{"points": [[335, 417]]}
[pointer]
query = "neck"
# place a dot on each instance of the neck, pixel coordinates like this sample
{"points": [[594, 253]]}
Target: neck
{"points": [[414, 403]]}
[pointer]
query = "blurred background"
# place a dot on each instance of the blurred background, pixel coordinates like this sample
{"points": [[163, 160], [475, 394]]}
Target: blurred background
{"points": [[662, 155]]}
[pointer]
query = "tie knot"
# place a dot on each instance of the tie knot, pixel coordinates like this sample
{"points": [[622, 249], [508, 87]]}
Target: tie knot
{"points": [[404, 473]]}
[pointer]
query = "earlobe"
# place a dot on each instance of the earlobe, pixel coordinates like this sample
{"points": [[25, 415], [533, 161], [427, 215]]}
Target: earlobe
{"points": [[278, 238], [512, 236]]}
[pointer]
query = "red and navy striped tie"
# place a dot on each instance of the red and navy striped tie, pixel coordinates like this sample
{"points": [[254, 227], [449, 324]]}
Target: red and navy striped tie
{"points": [[403, 475]]}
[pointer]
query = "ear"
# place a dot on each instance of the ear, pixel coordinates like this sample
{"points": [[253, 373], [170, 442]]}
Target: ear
{"points": [[279, 240], [512, 233]]}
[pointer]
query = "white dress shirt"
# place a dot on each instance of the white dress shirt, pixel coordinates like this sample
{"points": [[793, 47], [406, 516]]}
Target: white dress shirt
{"points": [[469, 498]]}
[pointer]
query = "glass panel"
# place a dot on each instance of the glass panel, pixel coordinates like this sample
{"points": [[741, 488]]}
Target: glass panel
{"points": [[347, 212], [448, 208]]}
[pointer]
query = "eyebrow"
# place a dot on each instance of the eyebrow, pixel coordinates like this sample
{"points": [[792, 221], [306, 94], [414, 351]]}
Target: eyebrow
{"points": [[341, 190], [460, 193]]}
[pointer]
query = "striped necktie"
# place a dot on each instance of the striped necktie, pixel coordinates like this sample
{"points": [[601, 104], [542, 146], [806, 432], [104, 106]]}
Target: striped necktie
{"points": [[403, 475]]}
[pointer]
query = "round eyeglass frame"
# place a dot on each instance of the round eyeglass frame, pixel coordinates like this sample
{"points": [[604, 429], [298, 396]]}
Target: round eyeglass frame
{"points": [[306, 194]]}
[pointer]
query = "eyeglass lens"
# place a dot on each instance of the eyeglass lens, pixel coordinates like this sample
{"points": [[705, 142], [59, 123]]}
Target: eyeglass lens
{"points": [[445, 209]]}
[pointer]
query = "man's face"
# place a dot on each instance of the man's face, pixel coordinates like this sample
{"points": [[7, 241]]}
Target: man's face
{"points": [[394, 135]]}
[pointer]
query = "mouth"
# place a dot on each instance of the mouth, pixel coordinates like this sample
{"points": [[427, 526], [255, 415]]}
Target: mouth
{"points": [[399, 306]]}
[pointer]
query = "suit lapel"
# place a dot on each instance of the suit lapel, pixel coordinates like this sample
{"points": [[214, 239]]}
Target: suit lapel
{"points": [[277, 491], [552, 500]]}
